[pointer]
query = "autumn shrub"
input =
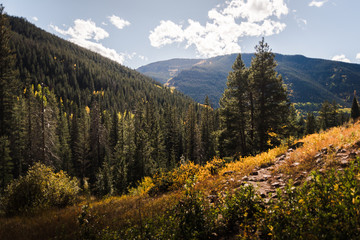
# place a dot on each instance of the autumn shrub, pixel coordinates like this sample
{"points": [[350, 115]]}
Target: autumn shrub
{"points": [[175, 179], [215, 165], [194, 216], [326, 207], [242, 211], [40, 188]]}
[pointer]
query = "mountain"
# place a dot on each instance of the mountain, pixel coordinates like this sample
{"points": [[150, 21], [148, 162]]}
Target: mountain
{"points": [[80, 112], [308, 79], [75, 73]]}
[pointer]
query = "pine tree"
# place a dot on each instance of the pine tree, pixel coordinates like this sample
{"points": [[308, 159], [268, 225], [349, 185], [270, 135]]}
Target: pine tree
{"points": [[235, 111], [6, 165], [271, 104], [207, 129], [192, 141], [80, 143], [18, 137], [355, 112], [8, 81], [64, 141], [311, 125], [328, 115]]}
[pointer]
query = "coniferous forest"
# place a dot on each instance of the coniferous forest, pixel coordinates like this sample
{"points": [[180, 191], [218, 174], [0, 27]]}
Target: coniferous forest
{"points": [[76, 128]]}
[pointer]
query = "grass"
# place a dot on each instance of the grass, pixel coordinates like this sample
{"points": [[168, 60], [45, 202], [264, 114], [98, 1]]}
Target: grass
{"points": [[132, 211]]}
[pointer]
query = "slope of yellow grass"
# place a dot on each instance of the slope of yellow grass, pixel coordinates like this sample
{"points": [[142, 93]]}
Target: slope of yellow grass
{"points": [[116, 213]]}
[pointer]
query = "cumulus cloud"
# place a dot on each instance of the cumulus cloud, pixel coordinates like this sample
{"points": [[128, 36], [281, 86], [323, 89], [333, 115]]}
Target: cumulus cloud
{"points": [[221, 33], [341, 58], [83, 29], [84, 32], [35, 19], [315, 3], [118, 22], [358, 56]]}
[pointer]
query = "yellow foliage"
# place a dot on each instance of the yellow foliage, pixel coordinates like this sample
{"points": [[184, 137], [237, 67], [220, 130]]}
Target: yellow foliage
{"points": [[87, 109]]}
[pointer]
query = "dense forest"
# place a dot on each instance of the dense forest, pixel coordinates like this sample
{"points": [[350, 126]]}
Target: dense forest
{"points": [[109, 126]]}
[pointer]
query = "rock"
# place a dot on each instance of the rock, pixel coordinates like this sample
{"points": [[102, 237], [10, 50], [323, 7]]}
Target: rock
{"points": [[344, 163], [212, 198], [276, 184], [324, 150], [254, 173], [245, 178], [352, 154], [319, 160], [281, 156], [343, 151], [309, 178], [318, 155], [277, 177], [290, 150], [297, 183], [295, 164]]}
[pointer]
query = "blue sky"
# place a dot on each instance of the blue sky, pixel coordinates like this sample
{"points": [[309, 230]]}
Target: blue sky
{"points": [[139, 32]]}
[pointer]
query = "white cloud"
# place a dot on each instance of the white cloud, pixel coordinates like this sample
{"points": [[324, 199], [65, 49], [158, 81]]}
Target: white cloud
{"points": [[166, 33], [83, 29], [82, 34], [35, 19], [315, 3], [221, 33], [118, 22], [358, 56], [341, 58]]}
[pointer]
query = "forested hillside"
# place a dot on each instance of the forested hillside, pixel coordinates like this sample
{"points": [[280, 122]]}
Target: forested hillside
{"points": [[308, 80], [74, 110]]}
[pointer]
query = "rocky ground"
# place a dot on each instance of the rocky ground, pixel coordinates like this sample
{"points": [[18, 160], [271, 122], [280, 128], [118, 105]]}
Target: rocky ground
{"points": [[267, 179]]}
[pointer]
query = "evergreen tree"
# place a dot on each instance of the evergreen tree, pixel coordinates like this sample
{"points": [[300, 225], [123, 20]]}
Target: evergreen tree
{"points": [[192, 141], [207, 129], [311, 125], [172, 137], [6, 165], [235, 111], [97, 140], [80, 144], [271, 105], [328, 115], [18, 137], [355, 112], [8, 81], [64, 141]]}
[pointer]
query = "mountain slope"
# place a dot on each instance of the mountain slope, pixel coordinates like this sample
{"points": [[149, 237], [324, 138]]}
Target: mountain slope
{"points": [[74, 73], [308, 79]]}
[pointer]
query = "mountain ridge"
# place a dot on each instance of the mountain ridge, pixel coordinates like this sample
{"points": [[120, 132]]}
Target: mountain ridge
{"points": [[308, 79]]}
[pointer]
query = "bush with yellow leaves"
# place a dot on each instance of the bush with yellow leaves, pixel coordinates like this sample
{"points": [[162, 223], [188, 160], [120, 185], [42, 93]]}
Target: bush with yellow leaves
{"points": [[40, 188]]}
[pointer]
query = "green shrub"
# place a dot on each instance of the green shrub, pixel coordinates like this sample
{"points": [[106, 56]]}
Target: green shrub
{"points": [[40, 188], [242, 211], [327, 207]]}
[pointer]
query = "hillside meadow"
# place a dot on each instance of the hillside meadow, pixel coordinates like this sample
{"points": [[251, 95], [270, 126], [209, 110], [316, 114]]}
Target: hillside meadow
{"points": [[173, 204]]}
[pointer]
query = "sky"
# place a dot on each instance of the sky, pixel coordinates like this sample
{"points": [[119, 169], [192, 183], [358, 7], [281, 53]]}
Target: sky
{"points": [[138, 32]]}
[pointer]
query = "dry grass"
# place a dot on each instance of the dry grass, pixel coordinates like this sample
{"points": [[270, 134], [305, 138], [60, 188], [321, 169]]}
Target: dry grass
{"points": [[117, 213], [338, 138]]}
